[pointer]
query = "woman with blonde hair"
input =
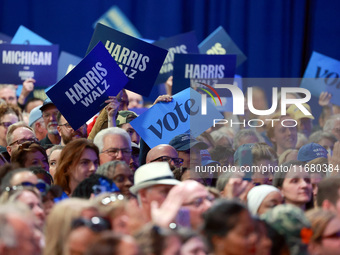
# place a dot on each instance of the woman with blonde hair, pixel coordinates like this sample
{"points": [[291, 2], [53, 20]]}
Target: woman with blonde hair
{"points": [[78, 160], [326, 232], [58, 224]]}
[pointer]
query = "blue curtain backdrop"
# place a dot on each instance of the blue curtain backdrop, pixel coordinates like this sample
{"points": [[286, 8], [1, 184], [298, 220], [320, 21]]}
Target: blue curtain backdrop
{"points": [[277, 36]]}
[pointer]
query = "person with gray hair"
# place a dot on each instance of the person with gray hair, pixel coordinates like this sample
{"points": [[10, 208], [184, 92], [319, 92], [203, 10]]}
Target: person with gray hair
{"points": [[120, 173], [17, 230], [325, 139], [36, 122], [332, 125], [114, 144], [246, 136]]}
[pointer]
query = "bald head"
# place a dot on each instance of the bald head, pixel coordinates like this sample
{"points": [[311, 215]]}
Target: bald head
{"points": [[161, 150]]}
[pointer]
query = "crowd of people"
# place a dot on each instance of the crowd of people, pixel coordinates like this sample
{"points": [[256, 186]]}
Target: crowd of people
{"points": [[100, 189]]}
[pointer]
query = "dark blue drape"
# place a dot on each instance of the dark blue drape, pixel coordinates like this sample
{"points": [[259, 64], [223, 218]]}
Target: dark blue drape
{"points": [[277, 36]]}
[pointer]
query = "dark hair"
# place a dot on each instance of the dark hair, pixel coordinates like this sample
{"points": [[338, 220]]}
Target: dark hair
{"points": [[328, 189], [33, 99], [85, 187], [39, 170], [221, 218], [280, 176]]}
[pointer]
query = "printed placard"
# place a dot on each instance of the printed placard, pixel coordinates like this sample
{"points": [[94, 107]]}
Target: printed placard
{"points": [[20, 62], [140, 61], [66, 63], [26, 36], [82, 92], [179, 44], [322, 74], [116, 19], [190, 68], [220, 43], [165, 120]]}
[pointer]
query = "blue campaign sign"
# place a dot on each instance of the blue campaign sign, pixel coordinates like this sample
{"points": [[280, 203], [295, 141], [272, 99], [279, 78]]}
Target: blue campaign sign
{"points": [[82, 92], [66, 63], [140, 61], [179, 44], [20, 62], [165, 120], [190, 68], [116, 19], [322, 74], [5, 38], [220, 43], [26, 36]]}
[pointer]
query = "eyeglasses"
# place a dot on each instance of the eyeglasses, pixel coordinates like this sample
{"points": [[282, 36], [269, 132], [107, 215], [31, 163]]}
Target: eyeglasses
{"points": [[96, 224], [177, 161], [332, 236], [21, 141], [199, 201], [112, 198], [47, 115], [6, 124], [113, 152], [67, 125]]}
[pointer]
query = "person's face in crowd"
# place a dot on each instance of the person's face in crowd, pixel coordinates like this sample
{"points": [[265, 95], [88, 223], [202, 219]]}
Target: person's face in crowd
{"points": [[8, 95], [87, 165], [80, 239], [120, 223], [123, 178], [29, 198], [194, 246], [271, 200], [135, 100], [162, 152], [6, 121], [156, 193], [53, 161], [24, 176], [132, 132], [197, 201], [19, 136], [336, 129], [50, 119], [31, 105], [305, 126], [264, 243], [172, 246], [36, 159], [113, 142], [68, 134], [240, 240], [224, 141], [328, 144], [315, 178], [248, 139], [284, 137], [134, 162], [191, 158], [330, 242], [128, 246], [25, 240], [297, 187], [264, 176]]}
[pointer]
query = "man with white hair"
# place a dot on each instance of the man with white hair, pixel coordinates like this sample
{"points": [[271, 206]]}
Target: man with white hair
{"points": [[114, 144]]}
